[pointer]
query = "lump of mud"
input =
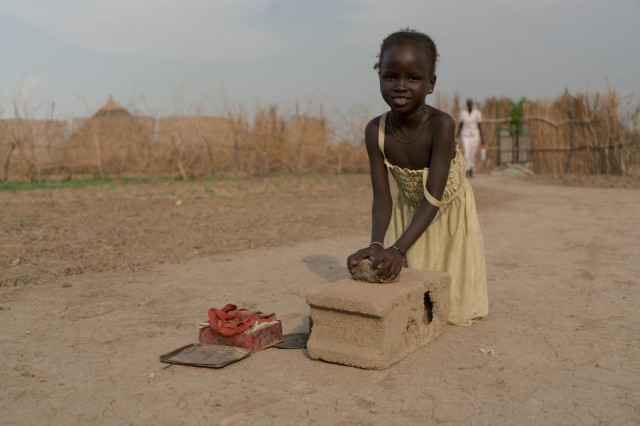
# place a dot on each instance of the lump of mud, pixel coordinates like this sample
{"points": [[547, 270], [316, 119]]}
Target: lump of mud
{"points": [[364, 271]]}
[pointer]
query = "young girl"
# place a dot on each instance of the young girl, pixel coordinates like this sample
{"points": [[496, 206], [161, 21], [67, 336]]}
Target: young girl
{"points": [[433, 224]]}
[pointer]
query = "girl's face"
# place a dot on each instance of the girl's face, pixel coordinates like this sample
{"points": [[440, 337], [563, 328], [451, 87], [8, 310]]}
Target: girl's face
{"points": [[405, 78]]}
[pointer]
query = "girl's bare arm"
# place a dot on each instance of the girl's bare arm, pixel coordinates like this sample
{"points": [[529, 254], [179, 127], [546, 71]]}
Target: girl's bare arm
{"points": [[382, 202]]}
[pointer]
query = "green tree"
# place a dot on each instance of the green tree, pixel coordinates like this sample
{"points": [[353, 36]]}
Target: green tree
{"points": [[516, 126]]}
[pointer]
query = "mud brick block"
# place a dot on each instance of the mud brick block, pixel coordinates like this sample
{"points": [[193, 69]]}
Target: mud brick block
{"points": [[373, 326], [266, 335]]}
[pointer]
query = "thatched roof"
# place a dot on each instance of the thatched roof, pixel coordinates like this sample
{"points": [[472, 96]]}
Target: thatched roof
{"points": [[111, 108], [112, 125]]}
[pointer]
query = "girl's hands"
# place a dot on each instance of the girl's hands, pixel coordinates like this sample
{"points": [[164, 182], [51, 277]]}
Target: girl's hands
{"points": [[388, 262], [355, 258]]}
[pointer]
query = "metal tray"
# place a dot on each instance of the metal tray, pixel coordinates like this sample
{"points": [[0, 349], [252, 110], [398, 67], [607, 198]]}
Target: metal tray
{"points": [[212, 356]]}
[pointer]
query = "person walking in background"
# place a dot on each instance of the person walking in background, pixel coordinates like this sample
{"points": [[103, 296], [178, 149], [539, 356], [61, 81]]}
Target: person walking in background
{"points": [[471, 133]]}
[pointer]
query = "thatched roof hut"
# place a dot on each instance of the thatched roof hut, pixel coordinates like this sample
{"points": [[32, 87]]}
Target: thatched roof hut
{"points": [[112, 109], [111, 142]]}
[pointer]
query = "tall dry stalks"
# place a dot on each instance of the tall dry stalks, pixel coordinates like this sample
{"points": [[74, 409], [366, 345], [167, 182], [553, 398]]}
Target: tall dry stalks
{"points": [[27, 145], [581, 133]]}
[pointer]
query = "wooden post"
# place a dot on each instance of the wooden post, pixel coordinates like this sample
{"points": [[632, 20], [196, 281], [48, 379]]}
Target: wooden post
{"points": [[567, 168]]}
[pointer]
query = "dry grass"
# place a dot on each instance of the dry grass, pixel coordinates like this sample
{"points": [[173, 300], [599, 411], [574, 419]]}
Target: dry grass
{"points": [[582, 133], [120, 144]]}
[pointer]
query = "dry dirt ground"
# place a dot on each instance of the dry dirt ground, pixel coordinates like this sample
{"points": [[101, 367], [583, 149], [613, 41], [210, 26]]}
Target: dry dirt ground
{"points": [[96, 283]]}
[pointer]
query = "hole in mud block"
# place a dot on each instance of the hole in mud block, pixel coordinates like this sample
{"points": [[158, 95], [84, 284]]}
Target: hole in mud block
{"points": [[428, 309]]}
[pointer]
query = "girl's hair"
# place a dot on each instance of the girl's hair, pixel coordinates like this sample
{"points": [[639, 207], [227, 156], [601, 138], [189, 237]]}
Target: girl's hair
{"points": [[410, 36]]}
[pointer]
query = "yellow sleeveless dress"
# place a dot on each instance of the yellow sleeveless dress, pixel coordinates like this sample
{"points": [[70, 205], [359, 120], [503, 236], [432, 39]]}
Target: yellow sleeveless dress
{"points": [[453, 241]]}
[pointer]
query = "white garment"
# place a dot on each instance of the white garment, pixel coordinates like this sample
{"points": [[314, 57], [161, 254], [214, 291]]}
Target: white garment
{"points": [[470, 136]]}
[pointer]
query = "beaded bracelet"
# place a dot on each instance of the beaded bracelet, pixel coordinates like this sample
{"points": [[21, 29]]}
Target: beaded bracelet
{"points": [[399, 251]]}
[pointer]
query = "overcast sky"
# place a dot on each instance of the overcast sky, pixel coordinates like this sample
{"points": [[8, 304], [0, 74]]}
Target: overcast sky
{"points": [[167, 56]]}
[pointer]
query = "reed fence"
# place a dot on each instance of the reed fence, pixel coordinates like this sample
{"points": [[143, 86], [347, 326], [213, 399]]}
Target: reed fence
{"points": [[126, 145], [583, 133]]}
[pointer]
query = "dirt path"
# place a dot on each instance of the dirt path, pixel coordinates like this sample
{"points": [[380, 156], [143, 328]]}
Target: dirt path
{"points": [[81, 346]]}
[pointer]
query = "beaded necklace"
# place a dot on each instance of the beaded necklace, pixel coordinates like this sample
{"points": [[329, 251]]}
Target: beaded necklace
{"points": [[393, 132]]}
